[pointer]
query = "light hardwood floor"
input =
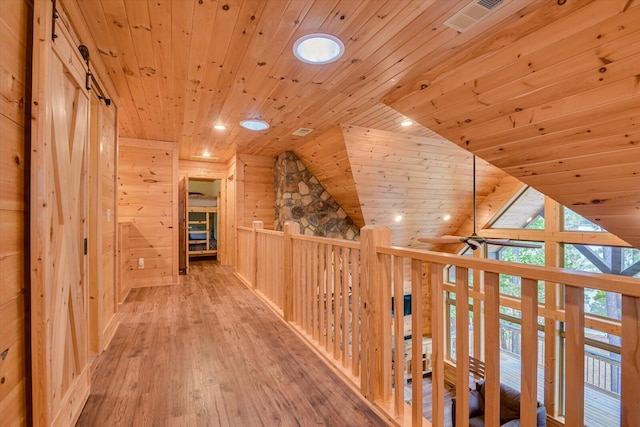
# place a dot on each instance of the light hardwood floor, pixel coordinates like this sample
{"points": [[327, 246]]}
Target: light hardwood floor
{"points": [[209, 352]]}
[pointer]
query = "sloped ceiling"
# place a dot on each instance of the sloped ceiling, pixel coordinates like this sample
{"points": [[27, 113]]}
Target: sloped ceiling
{"points": [[546, 90], [378, 175], [553, 100]]}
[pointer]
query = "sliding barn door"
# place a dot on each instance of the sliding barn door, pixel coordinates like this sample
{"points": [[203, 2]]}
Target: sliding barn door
{"points": [[59, 291]]}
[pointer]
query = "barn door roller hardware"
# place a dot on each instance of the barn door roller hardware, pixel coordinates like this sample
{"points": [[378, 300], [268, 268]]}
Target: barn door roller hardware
{"points": [[84, 51], [54, 16]]}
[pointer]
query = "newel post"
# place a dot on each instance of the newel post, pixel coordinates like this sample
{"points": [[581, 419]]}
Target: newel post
{"points": [[257, 225], [373, 298], [290, 229]]}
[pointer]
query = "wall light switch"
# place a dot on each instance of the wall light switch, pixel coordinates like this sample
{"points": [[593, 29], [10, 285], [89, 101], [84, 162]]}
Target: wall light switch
{"points": [[108, 215], [140, 263]]}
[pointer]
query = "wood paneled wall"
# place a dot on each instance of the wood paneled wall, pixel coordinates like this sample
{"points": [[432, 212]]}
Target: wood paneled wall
{"points": [[15, 26], [148, 198], [196, 169], [255, 190], [327, 158], [102, 224], [228, 216], [421, 179]]}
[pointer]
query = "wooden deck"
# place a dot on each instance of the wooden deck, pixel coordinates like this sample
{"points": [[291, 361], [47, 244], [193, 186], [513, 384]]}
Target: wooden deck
{"points": [[601, 409], [209, 352]]}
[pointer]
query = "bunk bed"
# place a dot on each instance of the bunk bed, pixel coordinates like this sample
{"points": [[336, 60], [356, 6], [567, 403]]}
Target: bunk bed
{"points": [[202, 218]]}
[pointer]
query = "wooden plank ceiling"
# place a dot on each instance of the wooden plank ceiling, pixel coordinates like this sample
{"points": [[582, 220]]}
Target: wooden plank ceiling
{"points": [[533, 84]]}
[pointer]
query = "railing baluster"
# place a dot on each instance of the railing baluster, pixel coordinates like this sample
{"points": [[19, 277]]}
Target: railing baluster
{"points": [[329, 298], [336, 302], [492, 346], [416, 339], [574, 366], [398, 356], [288, 269], [314, 290], [438, 345], [355, 312], [322, 290], [345, 308], [630, 396], [529, 352], [462, 347], [308, 309]]}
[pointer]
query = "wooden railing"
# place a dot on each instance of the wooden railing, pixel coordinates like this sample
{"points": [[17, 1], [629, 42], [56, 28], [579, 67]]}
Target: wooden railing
{"points": [[338, 295]]}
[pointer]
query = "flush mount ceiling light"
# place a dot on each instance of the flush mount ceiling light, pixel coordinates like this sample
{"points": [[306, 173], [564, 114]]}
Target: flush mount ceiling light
{"points": [[447, 217], [254, 124], [398, 218], [406, 123], [220, 127], [318, 48]]}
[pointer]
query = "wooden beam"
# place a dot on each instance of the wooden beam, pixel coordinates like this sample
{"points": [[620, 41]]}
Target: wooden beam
{"points": [[416, 342], [529, 358], [462, 346], [574, 366], [630, 397], [438, 344]]}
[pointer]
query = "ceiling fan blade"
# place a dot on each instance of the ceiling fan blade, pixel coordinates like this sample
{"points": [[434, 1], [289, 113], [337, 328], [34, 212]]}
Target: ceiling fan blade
{"points": [[444, 240], [511, 243]]}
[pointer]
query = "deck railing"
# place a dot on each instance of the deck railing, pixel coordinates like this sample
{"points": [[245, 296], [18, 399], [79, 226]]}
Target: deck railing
{"points": [[338, 295]]}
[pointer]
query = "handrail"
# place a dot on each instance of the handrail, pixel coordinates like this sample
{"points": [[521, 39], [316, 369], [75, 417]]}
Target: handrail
{"points": [[270, 232], [580, 279], [328, 240]]}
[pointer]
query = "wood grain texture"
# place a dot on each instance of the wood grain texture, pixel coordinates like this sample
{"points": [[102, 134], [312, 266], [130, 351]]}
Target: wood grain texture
{"points": [[553, 100], [58, 222], [148, 199], [326, 156], [14, 26], [422, 179], [102, 224], [210, 352], [255, 186], [545, 91]]}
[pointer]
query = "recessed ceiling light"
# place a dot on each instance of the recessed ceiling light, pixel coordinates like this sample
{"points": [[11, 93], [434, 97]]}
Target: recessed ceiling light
{"points": [[220, 127], [398, 218], [254, 124], [206, 154], [406, 123], [529, 219], [318, 48], [447, 217]]}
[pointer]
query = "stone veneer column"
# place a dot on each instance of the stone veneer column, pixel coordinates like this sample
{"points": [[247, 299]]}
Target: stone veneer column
{"points": [[301, 198]]}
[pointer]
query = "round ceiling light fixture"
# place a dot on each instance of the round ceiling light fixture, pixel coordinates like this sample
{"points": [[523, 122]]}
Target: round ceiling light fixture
{"points": [[318, 48], [254, 124]]}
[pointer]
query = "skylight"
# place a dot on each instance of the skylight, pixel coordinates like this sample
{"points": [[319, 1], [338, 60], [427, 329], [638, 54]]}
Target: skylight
{"points": [[254, 124], [318, 48]]}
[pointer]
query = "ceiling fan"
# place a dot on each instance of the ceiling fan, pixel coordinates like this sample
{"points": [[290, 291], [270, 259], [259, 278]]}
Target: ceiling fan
{"points": [[474, 241]]}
